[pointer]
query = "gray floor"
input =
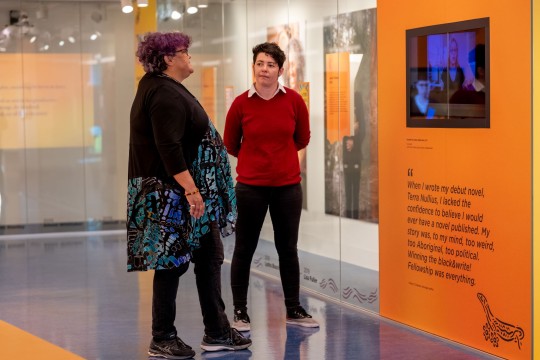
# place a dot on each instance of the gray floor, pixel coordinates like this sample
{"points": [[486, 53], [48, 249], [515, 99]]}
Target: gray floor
{"points": [[73, 291]]}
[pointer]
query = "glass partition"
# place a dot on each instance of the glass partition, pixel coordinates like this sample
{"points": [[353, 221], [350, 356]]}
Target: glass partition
{"points": [[331, 50], [68, 81], [65, 113]]}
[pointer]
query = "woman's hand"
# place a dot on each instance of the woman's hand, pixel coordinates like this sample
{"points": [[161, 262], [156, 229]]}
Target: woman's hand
{"points": [[196, 203], [192, 194]]}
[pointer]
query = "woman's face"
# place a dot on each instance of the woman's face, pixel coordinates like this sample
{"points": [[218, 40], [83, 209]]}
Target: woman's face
{"points": [[266, 70], [181, 63], [453, 53], [422, 86]]}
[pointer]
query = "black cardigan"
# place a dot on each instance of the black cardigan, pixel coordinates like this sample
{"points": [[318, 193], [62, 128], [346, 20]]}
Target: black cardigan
{"points": [[167, 124]]}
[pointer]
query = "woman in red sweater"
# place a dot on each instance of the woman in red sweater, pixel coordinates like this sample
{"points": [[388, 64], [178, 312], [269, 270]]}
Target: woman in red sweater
{"points": [[265, 128]]}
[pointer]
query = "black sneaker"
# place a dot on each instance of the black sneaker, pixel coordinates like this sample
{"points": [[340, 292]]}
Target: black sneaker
{"points": [[241, 320], [299, 316], [233, 341], [171, 349]]}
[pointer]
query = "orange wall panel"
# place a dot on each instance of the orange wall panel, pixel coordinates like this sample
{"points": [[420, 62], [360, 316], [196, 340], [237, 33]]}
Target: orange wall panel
{"points": [[462, 291]]}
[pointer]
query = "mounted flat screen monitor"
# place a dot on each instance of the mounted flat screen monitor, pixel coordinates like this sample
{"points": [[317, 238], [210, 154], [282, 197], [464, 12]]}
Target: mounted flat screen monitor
{"points": [[448, 75]]}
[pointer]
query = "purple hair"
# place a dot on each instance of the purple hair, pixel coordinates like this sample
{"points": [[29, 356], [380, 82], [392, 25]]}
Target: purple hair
{"points": [[156, 45]]}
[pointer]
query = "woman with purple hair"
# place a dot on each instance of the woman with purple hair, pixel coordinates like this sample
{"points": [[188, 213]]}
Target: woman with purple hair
{"points": [[180, 197]]}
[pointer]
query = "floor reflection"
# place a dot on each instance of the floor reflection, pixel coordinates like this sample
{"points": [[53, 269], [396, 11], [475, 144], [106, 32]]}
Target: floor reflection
{"points": [[76, 293]]}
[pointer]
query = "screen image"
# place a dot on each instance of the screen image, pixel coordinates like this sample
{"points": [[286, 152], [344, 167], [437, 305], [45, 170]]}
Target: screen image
{"points": [[448, 75]]}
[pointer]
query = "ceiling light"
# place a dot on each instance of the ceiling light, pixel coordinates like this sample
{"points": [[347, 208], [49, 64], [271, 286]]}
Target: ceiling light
{"points": [[142, 3], [33, 39], [192, 10], [71, 39], [61, 43], [127, 6], [175, 15], [203, 4]]}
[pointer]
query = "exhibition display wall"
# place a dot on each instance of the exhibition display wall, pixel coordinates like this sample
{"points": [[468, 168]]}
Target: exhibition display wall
{"points": [[423, 220], [332, 61], [456, 201]]}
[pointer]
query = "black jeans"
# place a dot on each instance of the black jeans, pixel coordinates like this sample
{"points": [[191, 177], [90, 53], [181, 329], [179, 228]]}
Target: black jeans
{"points": [[208, 260], [352, 193], [285, 204]]}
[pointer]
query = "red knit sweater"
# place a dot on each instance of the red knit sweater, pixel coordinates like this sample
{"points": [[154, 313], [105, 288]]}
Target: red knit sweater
{"points": [[266, 135]]}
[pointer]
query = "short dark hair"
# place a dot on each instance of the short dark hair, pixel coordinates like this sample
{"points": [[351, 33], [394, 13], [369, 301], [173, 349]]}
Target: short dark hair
{"points": [[478, 57], [272, 49], [156, 45]]}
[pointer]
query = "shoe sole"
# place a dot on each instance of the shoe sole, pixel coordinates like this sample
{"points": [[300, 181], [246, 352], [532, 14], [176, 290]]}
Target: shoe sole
{"points": [[171, 356], [208, 347], [304, 324], [242, 327]]}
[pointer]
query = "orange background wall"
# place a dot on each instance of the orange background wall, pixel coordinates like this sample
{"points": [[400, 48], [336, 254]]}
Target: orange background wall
{"points": [[53, 108], [536, 175], [497, 160]]}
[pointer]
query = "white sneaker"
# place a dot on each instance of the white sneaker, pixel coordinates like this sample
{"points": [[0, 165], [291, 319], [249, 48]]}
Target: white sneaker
{"points": [[299, 316]]}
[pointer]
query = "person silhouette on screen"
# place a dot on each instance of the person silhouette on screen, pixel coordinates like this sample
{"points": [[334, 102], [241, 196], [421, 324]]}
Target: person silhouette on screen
{"points": [[453, 75], [473, 92], [420, 100], [352, 159]]}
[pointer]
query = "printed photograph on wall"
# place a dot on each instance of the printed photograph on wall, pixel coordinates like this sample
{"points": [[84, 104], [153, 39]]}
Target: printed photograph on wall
{"points": [[351, 160], [290, 38]]}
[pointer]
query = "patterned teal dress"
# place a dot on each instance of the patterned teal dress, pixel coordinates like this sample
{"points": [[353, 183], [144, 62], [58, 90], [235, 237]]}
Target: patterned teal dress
{"points": [[161, 232]]}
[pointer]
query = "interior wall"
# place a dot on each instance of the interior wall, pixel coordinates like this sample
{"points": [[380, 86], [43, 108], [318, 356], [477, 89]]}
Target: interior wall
{"points": [[333, 239], [498, 159], [68, 166], [536, 173]]}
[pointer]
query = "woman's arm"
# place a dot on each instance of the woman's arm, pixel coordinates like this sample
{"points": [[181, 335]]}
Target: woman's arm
{"points": [[232, 135], [302, 132]]}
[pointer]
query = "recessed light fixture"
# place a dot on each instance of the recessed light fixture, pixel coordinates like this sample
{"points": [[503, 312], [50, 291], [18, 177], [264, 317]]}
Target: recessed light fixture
{"points": [[127, 6]]}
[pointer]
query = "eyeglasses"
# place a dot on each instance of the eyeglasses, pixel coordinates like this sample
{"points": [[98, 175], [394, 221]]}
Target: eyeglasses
{"points": [[183, 51]]}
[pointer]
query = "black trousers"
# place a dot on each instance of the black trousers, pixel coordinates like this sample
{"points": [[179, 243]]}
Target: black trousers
{"points": [[208, 260], [352, 193], [285, 205]]}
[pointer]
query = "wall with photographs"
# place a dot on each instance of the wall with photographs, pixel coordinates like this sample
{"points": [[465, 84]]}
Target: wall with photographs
{"points": [[339, 224], [456, 202]]}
